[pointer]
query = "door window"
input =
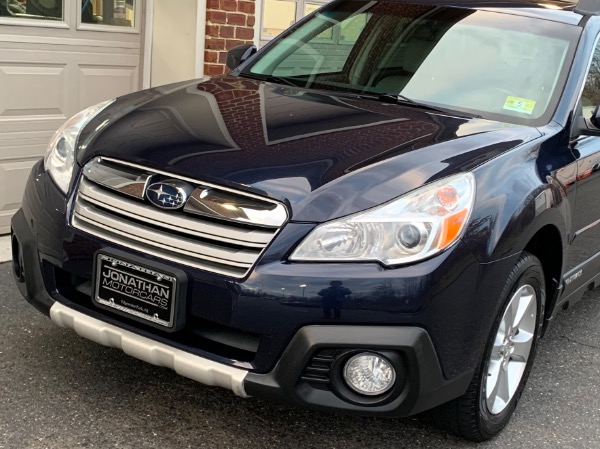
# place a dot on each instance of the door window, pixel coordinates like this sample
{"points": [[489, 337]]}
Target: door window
{"points": [[591, 91], [119, 13], [32, 9], [108, 12]]}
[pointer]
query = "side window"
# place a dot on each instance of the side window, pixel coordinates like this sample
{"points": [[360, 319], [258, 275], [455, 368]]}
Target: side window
{"points": [[591, 91], [114, 12], [327, 51], [32, 9]]}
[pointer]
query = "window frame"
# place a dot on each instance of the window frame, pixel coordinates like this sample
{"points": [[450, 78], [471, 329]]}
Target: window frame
{"points": [[106, 28], [63, 22], [578, 105]]}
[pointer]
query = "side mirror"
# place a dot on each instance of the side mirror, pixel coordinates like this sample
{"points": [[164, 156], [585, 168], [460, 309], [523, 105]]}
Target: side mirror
{"points": [[583, 126], [595, 118], [239, 54]]}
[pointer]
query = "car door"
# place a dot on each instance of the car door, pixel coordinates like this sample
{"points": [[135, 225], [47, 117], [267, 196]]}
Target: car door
{"points": [[585, 238]]}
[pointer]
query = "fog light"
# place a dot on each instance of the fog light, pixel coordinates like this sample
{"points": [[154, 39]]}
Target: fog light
{"points": [[369, 374]]}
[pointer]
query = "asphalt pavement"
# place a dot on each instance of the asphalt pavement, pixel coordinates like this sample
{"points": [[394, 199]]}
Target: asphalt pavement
{"points": [[58, 390]]}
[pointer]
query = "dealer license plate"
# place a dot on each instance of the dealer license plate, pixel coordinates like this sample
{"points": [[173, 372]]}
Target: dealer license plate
{"points": [[135, 290]]}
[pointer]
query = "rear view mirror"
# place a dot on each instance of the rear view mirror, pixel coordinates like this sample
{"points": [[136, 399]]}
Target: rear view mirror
{"points": [[239, 54]]}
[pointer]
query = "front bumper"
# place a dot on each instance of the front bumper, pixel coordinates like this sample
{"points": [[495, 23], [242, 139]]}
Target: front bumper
{"points": [[421, 391], [434, 316]]}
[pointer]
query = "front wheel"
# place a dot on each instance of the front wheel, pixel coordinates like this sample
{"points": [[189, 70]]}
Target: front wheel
{"points": [[486, 407]]}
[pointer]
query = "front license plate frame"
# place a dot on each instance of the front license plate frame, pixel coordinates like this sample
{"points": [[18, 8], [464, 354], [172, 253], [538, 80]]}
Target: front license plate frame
{"points": [[143, 291]]}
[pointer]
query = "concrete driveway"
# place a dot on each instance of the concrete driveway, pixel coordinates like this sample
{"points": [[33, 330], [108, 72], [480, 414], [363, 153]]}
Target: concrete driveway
{"points": [[4, 248], [58, 390]]}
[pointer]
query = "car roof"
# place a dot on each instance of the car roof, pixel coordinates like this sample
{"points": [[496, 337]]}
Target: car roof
{"points": [[554, 10], [543, 4]]}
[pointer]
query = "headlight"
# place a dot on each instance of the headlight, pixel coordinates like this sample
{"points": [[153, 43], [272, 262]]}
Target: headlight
{"points": [[413, 227], [60, 155]]}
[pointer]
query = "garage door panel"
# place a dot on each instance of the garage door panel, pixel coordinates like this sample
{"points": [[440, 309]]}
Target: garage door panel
{"points": [[34, 125], [24, 148], [97, 83], [46, 76], [33, 89], [13, 177]]}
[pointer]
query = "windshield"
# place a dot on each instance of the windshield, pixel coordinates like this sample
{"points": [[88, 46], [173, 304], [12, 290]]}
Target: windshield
{"points": [[499, 66]]}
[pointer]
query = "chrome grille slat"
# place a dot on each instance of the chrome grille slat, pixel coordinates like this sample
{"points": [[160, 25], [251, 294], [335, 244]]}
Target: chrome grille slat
{"points": [[153, 237], [127, 182], [216, 244], [179, 258], [156, 217]]}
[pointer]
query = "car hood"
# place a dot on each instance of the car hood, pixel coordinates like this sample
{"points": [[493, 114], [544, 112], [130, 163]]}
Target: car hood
{"points": [[324, 155]]}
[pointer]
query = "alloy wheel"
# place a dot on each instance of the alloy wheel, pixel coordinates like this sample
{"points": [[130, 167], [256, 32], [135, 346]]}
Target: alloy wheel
{"points": [[512, 349]]}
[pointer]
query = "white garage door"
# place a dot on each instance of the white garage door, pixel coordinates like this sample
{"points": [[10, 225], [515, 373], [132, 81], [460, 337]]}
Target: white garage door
{"points": [[56, 58]]}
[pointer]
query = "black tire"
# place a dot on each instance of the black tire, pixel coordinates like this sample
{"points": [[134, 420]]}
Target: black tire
{"points": [[469, 416]]}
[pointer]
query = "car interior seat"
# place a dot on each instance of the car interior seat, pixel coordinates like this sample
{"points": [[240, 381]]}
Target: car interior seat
{"points": [[404, 60]]}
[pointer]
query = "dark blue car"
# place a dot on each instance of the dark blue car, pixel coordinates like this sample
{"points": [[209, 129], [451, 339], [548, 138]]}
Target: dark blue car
{"points": [[378, 213]]}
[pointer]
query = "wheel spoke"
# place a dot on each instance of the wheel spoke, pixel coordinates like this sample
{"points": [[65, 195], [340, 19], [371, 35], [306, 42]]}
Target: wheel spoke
{"points": [[504, 390], [500, 394], [524, 306], [511, 311], [493, 385], [522, 346], [514, 373], [502, 330], [494, 368], [498, 343]]}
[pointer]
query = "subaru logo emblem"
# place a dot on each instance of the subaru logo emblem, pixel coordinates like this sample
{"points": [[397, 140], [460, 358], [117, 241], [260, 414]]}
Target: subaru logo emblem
{"points": [[169, 194]]}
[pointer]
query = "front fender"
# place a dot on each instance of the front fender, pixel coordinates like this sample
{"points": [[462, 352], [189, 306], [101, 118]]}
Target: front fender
{"points": [[513, 202]]}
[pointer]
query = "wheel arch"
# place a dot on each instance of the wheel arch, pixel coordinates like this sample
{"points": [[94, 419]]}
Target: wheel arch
{"points": [[547, 245]]}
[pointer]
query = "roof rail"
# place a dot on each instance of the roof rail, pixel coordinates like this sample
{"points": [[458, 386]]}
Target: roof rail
{"points": [[588, 7]]}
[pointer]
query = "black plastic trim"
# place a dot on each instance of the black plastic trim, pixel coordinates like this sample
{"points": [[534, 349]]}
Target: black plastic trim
{"points": [[31, 283], [425, 386]]}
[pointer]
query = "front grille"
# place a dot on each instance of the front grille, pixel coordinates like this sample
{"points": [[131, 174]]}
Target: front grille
{"points": [[111, 204]]}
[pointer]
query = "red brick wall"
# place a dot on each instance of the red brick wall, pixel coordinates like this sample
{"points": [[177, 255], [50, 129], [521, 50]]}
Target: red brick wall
{"points": [[228, 23]]}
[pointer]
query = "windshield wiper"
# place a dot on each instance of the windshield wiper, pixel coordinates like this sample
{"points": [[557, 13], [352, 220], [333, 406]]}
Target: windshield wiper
{"points": [[401, 99], [269, 79]]}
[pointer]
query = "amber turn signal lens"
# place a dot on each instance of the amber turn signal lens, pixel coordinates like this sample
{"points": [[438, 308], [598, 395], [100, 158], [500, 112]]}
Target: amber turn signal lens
{"points": [[451, 228]]}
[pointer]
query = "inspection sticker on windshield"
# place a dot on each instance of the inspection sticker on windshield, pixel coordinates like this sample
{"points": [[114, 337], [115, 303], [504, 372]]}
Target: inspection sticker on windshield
{"points": [[519, 104]]}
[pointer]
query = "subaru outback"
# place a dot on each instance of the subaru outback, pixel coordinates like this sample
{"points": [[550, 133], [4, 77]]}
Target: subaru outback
{"points": [[379, 212]]}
